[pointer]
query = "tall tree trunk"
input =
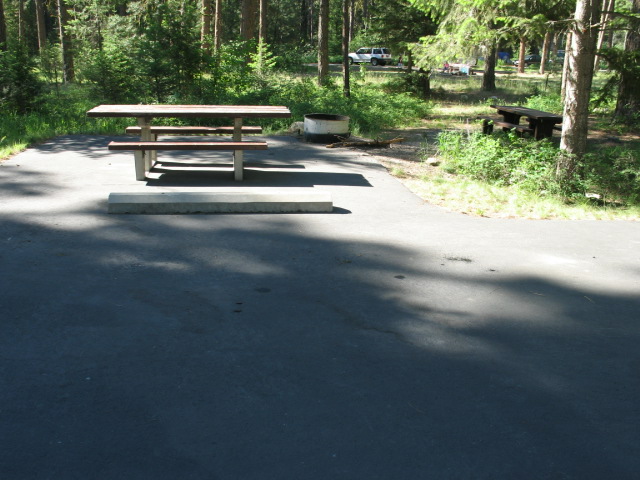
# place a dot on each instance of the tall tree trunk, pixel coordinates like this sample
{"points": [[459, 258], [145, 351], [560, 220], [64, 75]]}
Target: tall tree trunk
{"points": [[548, 38], [323, 42], [579, 79], [521, 53], [306, 19], [565, 68], [21, 21], [68, 71], [554, 45], [346, 88], [3, 29], [250, 17], [205, 25], [217, 26], [489, 75], [628, 104], [262, 30], [352, 19], [41, 26], [608, 7]]}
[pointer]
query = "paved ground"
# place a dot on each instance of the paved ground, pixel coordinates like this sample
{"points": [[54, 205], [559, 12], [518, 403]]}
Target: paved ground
{"points": [[387, 340]]}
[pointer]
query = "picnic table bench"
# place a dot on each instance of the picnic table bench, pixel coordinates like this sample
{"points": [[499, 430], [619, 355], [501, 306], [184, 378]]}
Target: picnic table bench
{"points": [[540, 124], [156, 130], [145, 150]]}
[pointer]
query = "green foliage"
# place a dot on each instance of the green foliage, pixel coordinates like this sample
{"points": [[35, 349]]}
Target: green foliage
{"points": [[416, 83], [112, 76], [19, 85], [292, 58], [262, 61], [547, 103], [503, 159], [169, 56], [60, 112], [612, 175], [364, 107]]}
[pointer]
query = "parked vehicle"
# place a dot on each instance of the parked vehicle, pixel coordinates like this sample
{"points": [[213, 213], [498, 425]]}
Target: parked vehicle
{"points": [[374, 56], [529, 60]]}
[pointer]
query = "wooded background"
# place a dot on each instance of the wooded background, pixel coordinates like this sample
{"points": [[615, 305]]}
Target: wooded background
{"points": [[156, 50]]}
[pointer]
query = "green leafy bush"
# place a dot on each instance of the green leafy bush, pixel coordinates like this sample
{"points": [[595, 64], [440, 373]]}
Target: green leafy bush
{"points": [[19, 85], [613, 175], [112, 76], [549, 102], [503, 159]]}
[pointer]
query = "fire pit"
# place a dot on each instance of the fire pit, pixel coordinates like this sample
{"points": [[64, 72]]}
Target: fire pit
{"points": [[325, 128]]}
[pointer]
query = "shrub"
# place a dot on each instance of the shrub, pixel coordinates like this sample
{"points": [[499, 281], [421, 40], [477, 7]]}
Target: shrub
{"points": [[503, 159], [112, 75], [614, 174], [509, 160], [19, 85]]}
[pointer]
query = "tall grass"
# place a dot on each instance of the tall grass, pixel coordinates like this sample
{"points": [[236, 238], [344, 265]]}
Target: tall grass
{"points": [[59, 112]]}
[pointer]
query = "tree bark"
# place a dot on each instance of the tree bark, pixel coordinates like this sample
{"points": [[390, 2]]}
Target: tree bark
{"points": [[579, 79], [262, 29], [628, 103], [323, 42], [346, 88], [41, 26], [306, 19], [21, 20], [205, 28], [249, 19], [217, 26], [608, 7], [3, 29], [68, 71], [489, 75], [565, 67], [521, 53], [548, 38]]}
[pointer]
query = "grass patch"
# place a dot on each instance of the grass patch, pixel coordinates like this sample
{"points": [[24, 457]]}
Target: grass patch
{"points": [[473, 197], [60, 112]]}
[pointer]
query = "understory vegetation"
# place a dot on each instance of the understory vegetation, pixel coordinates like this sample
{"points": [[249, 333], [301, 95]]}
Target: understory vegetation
{"points": [[494, 172], [605, 177]]}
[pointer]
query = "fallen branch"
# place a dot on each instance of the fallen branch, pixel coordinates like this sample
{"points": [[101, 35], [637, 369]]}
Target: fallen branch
{"points": [[372, 143]]}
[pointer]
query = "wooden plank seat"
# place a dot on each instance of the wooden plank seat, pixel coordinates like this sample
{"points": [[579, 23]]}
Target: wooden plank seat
{"points": [[142, 150], [182, 130], [488, 123], [187, 145]]}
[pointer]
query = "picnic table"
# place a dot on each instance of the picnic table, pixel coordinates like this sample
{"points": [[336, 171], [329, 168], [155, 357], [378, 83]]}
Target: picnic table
{"points": [[146, 149], [540, 124]]}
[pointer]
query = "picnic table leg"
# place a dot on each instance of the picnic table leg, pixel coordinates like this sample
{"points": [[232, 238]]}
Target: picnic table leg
{"points": [[139, 156], [145, 159], [238, 155], [148, 158], [543, 129]]}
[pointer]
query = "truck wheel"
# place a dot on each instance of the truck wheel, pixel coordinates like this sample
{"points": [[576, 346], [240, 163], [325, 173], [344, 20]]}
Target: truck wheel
{"points": [[374, 62]]}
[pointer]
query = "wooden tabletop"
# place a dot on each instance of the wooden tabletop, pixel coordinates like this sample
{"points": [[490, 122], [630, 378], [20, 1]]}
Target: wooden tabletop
{"points": [[190, 111], [528, 112]]}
